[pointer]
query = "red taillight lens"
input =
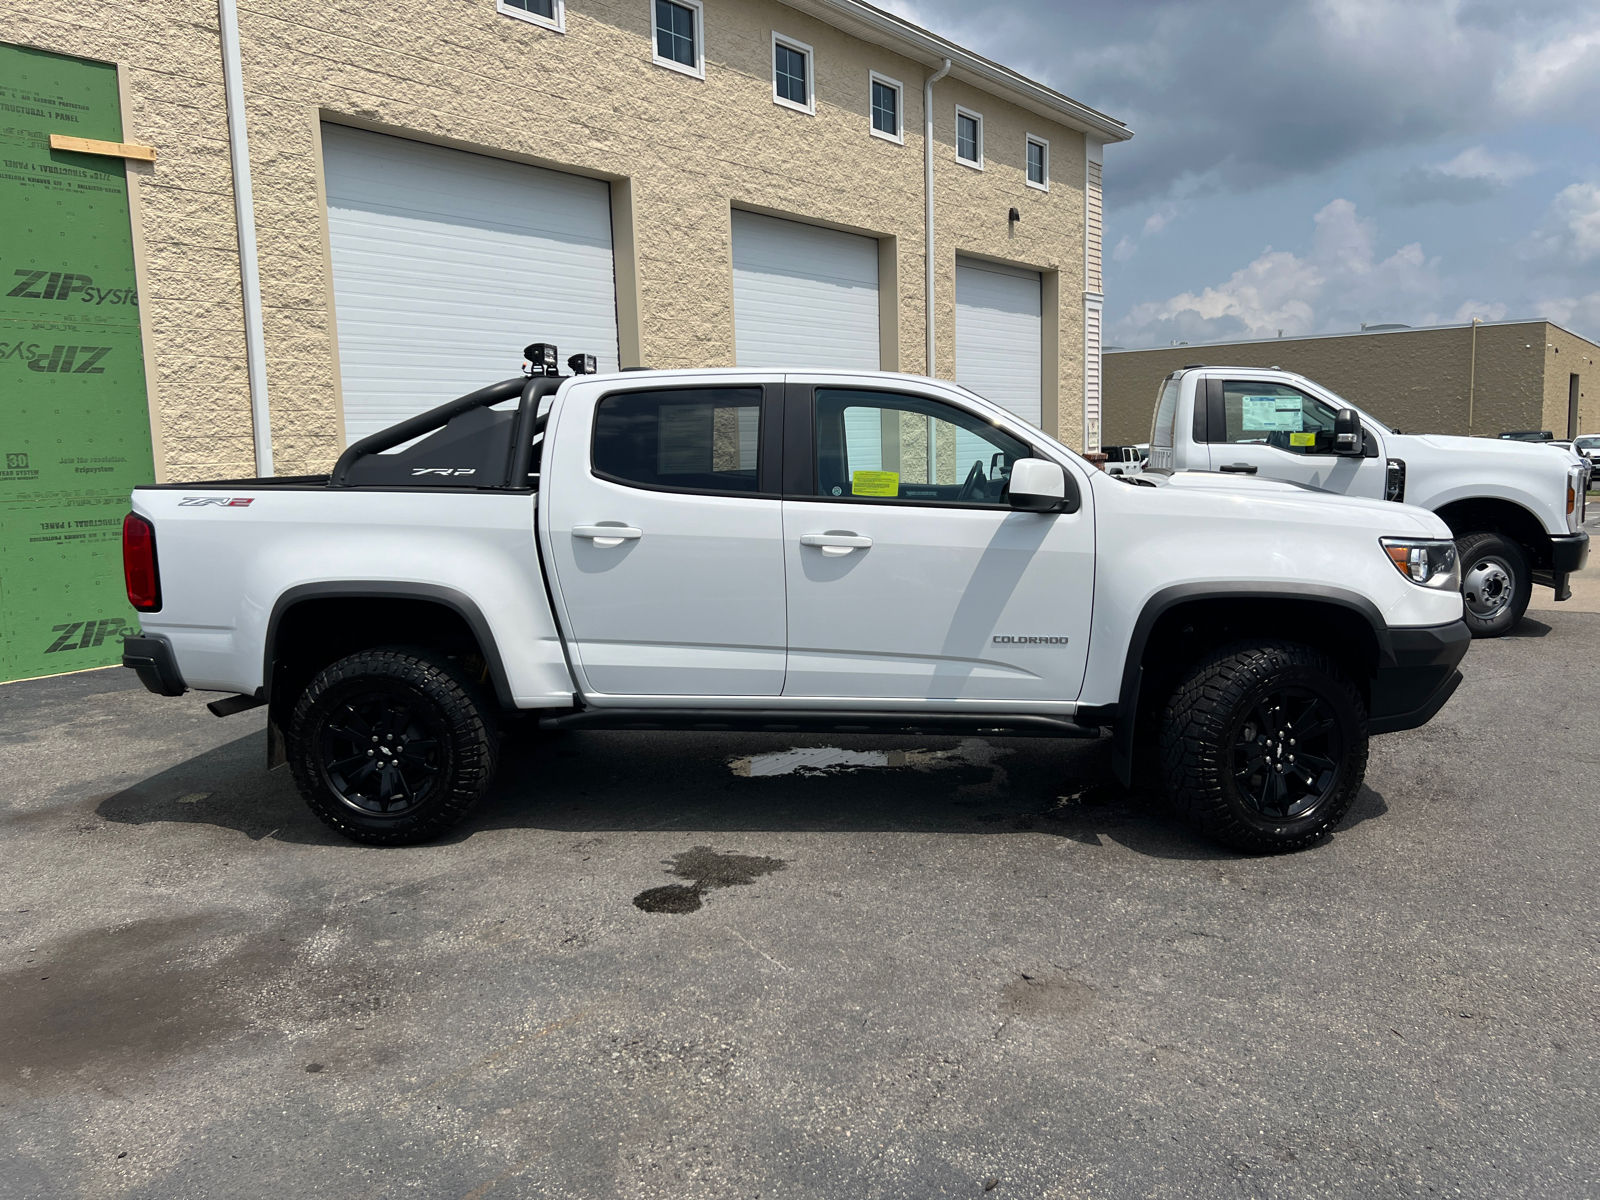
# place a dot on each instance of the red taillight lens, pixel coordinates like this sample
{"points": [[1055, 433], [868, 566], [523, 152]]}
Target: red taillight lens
{"points": [[139, 563]]}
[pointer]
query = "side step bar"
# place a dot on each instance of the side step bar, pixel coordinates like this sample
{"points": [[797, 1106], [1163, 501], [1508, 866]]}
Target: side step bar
{"points": [[793, 721]]}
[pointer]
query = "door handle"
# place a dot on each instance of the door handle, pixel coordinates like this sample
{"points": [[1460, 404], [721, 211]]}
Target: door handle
{"points": [[606, 536], [1239, 469], [835, 544]]}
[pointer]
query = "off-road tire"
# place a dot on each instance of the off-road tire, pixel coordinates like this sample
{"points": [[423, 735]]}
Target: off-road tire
{"points": [[1203, 743], [414, 693], [1493, 556]]}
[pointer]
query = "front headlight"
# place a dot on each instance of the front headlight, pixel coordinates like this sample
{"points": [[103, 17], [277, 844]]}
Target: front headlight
{"points": [[1425, 561]]}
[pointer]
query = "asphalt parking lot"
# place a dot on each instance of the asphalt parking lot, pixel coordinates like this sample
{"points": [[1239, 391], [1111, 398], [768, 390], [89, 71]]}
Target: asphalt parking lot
{"points": [[932, 974]]}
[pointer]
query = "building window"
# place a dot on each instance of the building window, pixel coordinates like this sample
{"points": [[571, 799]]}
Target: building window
{"points": [[1038, 163], [679, 43], [888, 115], [969, 138], [552, 14], [792, 82]]}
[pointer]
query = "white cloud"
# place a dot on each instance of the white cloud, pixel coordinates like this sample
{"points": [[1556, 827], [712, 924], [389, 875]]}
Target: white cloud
{"points": [[1552, 75], [1578, 313], [1124, 249], [1337, 286], [1160, 219], [1571, 229], [1475, 162], [1474, 174], [1481, 310]]}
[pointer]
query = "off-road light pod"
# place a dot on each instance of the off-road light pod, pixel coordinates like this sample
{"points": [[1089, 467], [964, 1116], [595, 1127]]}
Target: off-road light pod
{"points": [[583, 364], [139, 563], [543, 359], [1429, 562]]}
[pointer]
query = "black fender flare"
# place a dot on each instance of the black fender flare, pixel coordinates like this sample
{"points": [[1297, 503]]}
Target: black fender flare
{"points": [[458, 602], [1166, 599]]}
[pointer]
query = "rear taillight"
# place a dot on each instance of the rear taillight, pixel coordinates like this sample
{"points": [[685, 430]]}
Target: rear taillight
{"points": [[139, 563]]}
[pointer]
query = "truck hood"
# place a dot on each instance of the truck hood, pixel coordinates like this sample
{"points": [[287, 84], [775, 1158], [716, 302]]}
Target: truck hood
{"points": [[1294, 501], [1487, 450]]}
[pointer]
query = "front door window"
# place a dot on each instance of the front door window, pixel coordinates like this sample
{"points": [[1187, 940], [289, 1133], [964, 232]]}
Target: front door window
{"points": [[888, 448], [1275, 414]]}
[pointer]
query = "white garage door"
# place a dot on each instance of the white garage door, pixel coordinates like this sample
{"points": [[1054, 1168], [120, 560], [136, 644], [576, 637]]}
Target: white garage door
{"points": [[803, 296], [446, 264], [999, 343]]}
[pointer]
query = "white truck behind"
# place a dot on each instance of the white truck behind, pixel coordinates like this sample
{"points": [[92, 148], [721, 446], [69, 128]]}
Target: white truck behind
{"points": [[1516, 510], [759, 550]]}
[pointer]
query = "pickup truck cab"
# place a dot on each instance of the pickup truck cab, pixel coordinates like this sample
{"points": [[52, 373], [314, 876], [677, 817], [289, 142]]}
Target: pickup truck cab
{"points": [[759, 550], [1515, 509]]}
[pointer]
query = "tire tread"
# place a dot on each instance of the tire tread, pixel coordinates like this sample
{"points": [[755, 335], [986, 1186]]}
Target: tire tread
{"points": [[474, 749], [1194, 751]]}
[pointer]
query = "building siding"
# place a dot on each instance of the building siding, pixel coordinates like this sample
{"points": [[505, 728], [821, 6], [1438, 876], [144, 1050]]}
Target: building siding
{"points": [[1419, 380], [680, 154]]}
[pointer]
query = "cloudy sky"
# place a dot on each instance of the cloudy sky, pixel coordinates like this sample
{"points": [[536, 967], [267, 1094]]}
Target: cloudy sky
{"points": [[1309, 166]]}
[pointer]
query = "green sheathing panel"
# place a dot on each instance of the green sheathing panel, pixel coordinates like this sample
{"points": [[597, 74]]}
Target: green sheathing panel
{"points": [[74, 424]]}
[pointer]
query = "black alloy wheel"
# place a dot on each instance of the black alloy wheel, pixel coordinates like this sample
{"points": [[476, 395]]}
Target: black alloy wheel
{"points": [[1263, 745], [380, 752], [392, 746], [1286, 753]]}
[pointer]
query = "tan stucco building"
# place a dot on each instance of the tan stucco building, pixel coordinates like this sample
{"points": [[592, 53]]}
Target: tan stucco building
{"points": [[681, 145], [1480, 379]]}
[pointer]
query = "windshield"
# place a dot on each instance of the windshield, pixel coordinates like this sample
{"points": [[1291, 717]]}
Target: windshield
{"points": [[1587, 442], [1340, 402]]}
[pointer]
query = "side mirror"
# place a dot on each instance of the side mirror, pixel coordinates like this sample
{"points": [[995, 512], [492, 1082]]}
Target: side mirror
{"points": [[1348, 439], [1040, 486]]}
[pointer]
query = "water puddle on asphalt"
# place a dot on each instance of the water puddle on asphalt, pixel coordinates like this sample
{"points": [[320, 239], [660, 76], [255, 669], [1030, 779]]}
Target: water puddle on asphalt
{"points": [[708, 870], [827, 760]]}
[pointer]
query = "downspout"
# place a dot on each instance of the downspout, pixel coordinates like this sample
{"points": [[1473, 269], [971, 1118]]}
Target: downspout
{"points": [[244, 209], [927, 189], [1472, 374]]}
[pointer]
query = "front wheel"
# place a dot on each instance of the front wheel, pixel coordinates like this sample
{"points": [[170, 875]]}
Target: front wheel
{"points": [[1496, 583], [391, 746], [1264, 746]]}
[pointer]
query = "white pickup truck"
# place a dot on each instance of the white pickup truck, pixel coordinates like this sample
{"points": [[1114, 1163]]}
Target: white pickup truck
{"points": [[756, 550], [1515, 509]]}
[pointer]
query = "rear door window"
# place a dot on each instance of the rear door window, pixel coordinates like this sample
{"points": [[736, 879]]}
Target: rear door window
{"points": [[682, 439], [1161, 426], [1275, 414]]}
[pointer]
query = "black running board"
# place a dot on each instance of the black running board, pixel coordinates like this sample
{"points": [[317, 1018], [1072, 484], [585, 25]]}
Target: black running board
{"points": [[801, 721]]}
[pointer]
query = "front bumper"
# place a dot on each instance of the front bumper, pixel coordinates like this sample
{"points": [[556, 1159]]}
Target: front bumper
{"points": [[1408, 692], [1568, 552], [151, 656]]}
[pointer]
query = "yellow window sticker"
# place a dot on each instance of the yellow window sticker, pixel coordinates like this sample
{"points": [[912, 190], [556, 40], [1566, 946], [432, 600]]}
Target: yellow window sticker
{"points": [[1302, 439], [875, 483]]}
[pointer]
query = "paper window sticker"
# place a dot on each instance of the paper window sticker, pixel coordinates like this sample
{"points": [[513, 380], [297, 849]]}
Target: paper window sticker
{"points": [[1302, 439], [875, 483], [1272, 414]]}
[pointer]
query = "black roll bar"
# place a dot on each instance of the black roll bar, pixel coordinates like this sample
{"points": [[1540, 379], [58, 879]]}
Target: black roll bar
{"points": [[532, 391], [529, 426]]}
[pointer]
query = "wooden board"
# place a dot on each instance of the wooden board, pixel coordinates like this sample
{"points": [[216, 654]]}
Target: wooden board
{"points": [[60, 141]]}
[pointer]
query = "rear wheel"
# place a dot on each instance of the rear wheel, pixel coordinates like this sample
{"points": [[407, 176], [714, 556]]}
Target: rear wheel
{"points": [[1496, 583], [391, 746], [1264, 746]]}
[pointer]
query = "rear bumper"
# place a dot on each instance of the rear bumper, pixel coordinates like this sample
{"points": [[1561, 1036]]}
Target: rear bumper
{"points": [[1423, 676], [151, 656]]}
